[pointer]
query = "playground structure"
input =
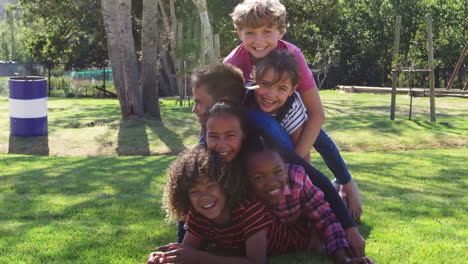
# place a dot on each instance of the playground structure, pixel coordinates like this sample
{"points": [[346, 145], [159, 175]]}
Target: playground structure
{"points": [[457, 68], [407, 67], [398, 69]]}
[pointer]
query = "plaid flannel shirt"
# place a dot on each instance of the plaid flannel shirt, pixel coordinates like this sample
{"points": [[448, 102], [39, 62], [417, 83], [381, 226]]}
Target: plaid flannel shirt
{"points": [[302, 198]]}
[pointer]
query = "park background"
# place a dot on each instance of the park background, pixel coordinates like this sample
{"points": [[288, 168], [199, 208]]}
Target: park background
{"points": [[90, 191]]}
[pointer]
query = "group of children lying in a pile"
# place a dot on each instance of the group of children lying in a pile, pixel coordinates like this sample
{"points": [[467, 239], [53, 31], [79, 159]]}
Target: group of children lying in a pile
{"points": [[247, 188]]}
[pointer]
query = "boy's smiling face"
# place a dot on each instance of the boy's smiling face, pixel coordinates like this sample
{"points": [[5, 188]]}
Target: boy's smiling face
{"points": [[260, 41], [201, 101], [271, 95], [267, 176]]}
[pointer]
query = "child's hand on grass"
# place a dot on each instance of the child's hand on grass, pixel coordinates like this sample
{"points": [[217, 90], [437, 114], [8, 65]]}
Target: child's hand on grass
{"points": [[360, 260], [167, 247], [174, 253], [357, 244], [154, 258]]}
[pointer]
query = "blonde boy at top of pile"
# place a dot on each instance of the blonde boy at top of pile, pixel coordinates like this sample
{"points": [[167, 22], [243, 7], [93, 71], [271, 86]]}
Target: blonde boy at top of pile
{"points": [[260, 26]]}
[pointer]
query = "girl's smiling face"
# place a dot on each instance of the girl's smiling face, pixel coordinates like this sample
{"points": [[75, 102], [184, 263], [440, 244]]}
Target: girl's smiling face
{"points": [[270, 96], [267, 176], [224, 135], [207, 197]]}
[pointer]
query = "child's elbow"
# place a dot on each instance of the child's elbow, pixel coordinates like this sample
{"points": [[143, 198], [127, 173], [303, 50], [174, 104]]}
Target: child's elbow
{"points": [[319, 118], [322, 117]]}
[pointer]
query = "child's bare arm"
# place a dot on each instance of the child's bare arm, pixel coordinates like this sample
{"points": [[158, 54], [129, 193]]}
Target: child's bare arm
{"points": [[339, 256], [356, 242], [189, 252], [311, 99], [297, 134], [255, 252], [295, 137]]}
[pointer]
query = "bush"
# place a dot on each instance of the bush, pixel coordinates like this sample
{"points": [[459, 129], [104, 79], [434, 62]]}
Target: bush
{"points": [[67, 87], [3, 86], [61, 86]]}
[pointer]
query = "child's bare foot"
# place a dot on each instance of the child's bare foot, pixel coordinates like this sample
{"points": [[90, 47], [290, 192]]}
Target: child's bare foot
{"points": [[350, 193]]}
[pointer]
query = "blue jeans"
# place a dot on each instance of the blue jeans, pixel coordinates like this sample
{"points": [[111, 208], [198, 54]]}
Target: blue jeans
{"points": [[325, 146]]}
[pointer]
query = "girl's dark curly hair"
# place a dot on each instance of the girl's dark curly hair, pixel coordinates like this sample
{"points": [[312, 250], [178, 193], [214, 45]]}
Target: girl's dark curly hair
{"points": [[188, 169], [284, 64], [256, 142]]}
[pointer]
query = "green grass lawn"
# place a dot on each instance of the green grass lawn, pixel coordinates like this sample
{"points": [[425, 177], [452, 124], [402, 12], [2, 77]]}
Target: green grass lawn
{"points": [[94, 196], [356, 122], [108, 209]]}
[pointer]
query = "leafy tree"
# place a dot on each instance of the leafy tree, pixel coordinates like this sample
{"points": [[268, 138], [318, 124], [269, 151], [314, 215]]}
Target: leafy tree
{"points": [[12, 35], [68, 32]]}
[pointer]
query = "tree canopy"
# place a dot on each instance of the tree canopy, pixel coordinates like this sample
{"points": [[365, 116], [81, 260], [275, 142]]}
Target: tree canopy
{"points": [[352, 38]]}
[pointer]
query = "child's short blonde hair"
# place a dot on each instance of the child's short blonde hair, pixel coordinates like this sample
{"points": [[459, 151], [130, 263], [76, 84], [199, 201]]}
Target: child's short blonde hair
{"points": [[258, 13]]}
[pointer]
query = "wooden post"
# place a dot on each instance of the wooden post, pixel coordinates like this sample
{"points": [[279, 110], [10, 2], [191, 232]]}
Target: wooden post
{"points": [[217, 47], [104, 76], [394, 82], [431, 68], [457, 68], [395, 66], [180, 73], [49, 82]]}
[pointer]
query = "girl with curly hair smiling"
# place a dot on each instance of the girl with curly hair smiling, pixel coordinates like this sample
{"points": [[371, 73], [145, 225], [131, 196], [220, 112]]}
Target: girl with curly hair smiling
{"points": [[205, 190]]}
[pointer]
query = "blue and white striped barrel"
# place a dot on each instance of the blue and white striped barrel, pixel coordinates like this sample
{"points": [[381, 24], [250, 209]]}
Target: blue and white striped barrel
{"points": [[28, 106]]}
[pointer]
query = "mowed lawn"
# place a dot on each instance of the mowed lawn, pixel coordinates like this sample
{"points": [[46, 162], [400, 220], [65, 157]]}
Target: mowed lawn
{"points": [[356, 122], [108, 209], [95, 194]]}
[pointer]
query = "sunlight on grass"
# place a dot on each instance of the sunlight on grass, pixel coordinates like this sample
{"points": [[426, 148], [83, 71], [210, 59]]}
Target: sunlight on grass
{"points": [[108, 209], [356, 122], [69, 206]]}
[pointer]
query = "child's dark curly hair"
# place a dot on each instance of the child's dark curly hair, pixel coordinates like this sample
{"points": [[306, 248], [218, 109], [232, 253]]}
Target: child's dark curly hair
{"points": [[256, 142], [188, 169], [227, 107], [284, 64], [260, 141]]}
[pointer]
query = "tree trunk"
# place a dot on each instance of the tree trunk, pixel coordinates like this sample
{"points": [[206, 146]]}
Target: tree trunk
{"points": [[170, 24], [149, 48], [180, 72], [167, 67], [118, 27], [207, 50]]}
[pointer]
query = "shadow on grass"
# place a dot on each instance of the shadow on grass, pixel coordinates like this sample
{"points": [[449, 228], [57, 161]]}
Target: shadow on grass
{"points": [[354, 115], [98, 203], [76, 204], [29, 145], [171, 139], [364, 229], [79, 115], [95, 176], [132, 138]]}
